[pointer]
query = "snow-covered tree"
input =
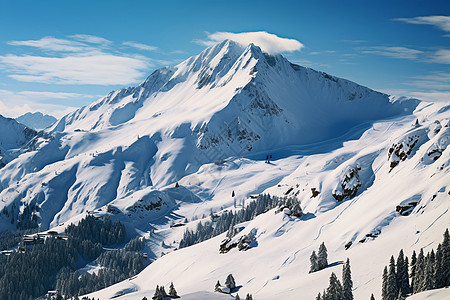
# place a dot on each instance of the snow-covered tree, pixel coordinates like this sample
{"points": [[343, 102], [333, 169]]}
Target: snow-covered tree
{"points": [[347, 283], [314, 262], [172, 291], [334, 290], [322, 259], [217, 287], [392, 288], [402, 273], [413, 269], [446, 257], [419, 273], [230, 283], [384, 287]]}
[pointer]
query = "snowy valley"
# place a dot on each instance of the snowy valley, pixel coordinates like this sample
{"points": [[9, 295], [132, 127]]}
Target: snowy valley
{"points": [[200, 141]]}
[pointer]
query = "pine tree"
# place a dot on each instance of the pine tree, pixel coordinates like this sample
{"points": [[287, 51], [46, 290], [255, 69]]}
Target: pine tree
{"points": [[318, 297], [172, 291], [237, 297], [413, 269], [334, 291], [249, 297], [347, 283], [314, 262], [402, 274], [230, 283], [428, 280], [446, 257], [384, 286], [322, 260], [392, 288], [419, 275], [372, 297], [217, 287], [438, 271]]}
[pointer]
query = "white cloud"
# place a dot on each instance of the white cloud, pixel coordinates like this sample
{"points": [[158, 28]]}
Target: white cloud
{"points": [[14, 104], [91, 39], [434, 96], [435, 81], [53, 44], [395, 52], [322, 52], [101, 68], [140, 46], [441, 22], [268, 42], [441, 56]]}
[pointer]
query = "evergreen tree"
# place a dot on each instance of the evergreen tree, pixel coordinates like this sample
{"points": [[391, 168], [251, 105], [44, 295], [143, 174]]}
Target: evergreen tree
{"points": [[402, 274], [318, 297], [446, 258], [172, 291], [419, 275], [314, 262], [384, 287], [322, 259], [413, 269], [217, 287], [392, 288], [230, 283], [438, 271], [249, 297], [372, 297], [347, 283], [160, 294], [334, 291], [237, 297], [428, 279]]}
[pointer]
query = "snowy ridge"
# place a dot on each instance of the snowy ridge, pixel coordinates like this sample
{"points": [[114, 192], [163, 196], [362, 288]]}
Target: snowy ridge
{"points": [[228, 101], [36, 120], [177, 145], [13, 139], [277, 267]]}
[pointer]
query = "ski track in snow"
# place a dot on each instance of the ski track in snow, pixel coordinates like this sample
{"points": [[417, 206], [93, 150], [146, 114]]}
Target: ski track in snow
{"points": [[429, 226]]}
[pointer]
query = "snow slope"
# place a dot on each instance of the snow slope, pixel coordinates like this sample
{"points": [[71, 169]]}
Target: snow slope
{"points": [[13, 138], [277, 268], [351, 155], [228, 101]]}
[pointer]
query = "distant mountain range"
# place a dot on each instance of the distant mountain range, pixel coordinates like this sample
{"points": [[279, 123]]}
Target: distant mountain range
{"points": [[36, 120]]}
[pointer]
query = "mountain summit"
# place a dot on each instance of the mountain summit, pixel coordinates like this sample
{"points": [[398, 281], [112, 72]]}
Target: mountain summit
{"points": [[228, 101]]}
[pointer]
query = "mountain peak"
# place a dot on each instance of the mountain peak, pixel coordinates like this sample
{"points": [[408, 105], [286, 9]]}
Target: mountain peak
{"points": [[36, 120]]}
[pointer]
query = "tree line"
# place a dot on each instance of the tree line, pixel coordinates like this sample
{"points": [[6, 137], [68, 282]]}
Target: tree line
{"points": [[226, 221], [426, 272], [42, 267]]}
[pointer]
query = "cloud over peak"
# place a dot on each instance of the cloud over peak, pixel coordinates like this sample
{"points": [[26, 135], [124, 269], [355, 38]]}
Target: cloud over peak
{"points": [[268, 42]]}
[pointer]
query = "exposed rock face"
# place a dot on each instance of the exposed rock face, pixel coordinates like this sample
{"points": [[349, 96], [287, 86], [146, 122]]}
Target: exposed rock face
{"points": [[349, 185], [402, 150], [243, 243]]}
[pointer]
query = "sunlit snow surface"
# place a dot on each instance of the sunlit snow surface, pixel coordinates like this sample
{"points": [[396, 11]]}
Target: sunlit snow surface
{"points": [[209, 124]]}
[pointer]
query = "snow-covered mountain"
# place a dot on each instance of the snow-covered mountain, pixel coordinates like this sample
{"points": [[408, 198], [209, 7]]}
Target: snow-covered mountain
{"points": [[13, 138], [177, 145], [36, 120]]}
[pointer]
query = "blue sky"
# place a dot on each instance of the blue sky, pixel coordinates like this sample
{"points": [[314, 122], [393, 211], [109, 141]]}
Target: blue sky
{"points": [[57, 55]]}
